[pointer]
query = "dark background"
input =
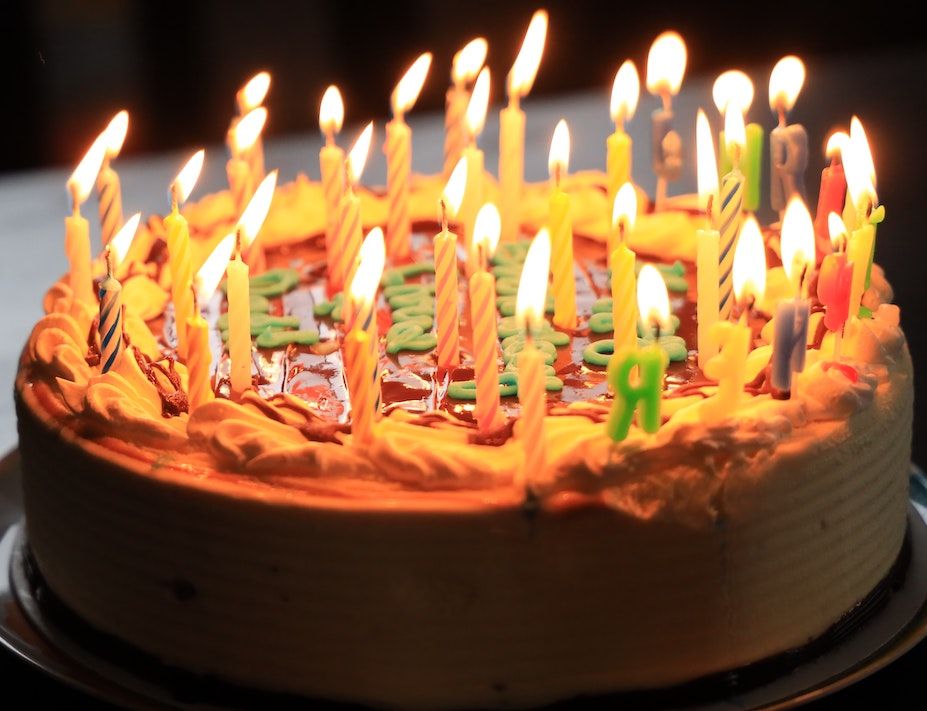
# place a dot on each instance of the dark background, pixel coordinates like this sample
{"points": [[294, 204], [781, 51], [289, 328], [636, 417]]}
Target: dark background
{"points": [[176, 65]]}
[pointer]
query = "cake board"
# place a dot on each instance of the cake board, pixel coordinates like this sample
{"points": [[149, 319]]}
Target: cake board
{"points": [[32, 628]]}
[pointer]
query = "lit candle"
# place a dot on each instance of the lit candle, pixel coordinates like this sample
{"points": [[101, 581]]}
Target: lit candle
{"points": [[625, 93], [110, 324], [361, 347], [532, 395], [730, 212], [331, 160], [475, 119], [835, 281], [666, 65], [199, 365], [863, 212], [788, 145], [791, 320], [708, 242], [121, 242], [512, 125], [560, 225], [108, 186], [238, 288], [642, 392], [348, 229], [734, 339], [76, 229], [482, 292], [621, 262], [464, 68], [241, 178], [178, 248], [398, 149], [735, 90], [249, 97], [446, 289], [832, 195]]}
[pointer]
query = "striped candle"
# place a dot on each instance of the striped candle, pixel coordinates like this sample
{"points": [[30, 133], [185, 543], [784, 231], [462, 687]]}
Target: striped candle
{"points": [[485, 349], [454, 135], [110, 193], [241, 182], [110, 325], [730, 217], [359, 362], [446, 298], [532, 396], [398, 149], [347, 242]]}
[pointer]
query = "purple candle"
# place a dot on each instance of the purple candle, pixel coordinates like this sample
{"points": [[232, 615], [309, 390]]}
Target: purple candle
{"points": [[788, 145]]}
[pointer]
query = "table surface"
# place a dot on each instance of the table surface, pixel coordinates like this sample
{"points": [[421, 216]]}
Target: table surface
{"points": [[883, 90]]}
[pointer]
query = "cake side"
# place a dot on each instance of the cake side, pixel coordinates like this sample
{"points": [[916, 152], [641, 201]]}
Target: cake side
{"points": [[479, 604]]}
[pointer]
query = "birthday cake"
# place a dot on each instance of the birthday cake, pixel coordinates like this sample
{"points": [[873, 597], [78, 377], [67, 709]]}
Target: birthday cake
{"points": [[342, 514]]}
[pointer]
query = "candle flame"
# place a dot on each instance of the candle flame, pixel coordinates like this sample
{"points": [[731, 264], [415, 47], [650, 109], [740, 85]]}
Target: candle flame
{"points": [[210, 274], [248, 129], [372, 256], [115, 133], [749, 267], [666, 64], [331, 111], [837, 229], [836, 143], [735, 133], [410, 86], [122, 240], [252, 94], [797, 239], [486, 229], [81, 181], [859, 166], [732, 88], [469, 60], [525, 69], [652, 298], [559, 156], [785, 83], [478, 104], [706, 161], [624, 209], [454, 190], [255, 212], [186, 179], [357, 157], [531, 298], [626, 91]]}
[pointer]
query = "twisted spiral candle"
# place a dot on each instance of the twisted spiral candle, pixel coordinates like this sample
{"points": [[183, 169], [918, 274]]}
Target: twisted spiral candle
{"points": [[347, 242], [110, 202], [360, 365], [454, 134], [533, 399], [398, 149], [110, 326], [729, 220], [446, 315], [485, 349], [331, 162]]}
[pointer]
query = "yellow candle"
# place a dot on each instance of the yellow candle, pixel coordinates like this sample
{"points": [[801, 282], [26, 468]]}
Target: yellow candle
{"points": [[482, 292], [625, 93], [76, 229], [348, 228], [240, 183], [512, 125], [108, 186], [331, 161], [561, 232], [861, 195], [398, 149], [239, 325], [466, 65], [248, 98], [178, 249], [621, 263], [859, 252], [199, 362], [361, 345], [532, 395], [708, 251], [476, 118]]}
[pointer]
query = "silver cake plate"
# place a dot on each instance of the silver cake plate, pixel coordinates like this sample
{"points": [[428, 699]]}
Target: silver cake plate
{"points": [[31, 630]]}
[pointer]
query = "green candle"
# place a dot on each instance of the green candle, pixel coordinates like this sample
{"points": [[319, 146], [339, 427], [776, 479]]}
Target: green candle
{"points": [[645, 394], [751, 165]]}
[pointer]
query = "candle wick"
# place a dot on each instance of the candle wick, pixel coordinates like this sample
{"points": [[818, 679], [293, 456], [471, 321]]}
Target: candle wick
{"points": [[801, 280], [782, 119], [238, 243], [175, 201], [656, 330], [710, 206], [558, 173], [329, 135], [75, 199], [108, 256], [667, 100], [622, 235], [196, 300], [443, 215], [514, 100]]}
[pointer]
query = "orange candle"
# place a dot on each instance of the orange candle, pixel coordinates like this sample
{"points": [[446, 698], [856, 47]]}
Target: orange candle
{"points": [[482, 291], [241, 175], [446, 289], [348, 229]]}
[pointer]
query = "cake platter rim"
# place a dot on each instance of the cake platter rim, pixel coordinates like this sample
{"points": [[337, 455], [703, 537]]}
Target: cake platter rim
{"points": [[36, 644]]}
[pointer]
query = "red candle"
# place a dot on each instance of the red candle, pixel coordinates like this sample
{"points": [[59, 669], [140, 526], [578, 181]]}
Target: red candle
{"points": [[832, 195], [835, 281]]}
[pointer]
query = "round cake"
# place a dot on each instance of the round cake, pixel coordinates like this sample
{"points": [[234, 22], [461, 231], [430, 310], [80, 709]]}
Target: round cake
{"points": [[434, 560]]}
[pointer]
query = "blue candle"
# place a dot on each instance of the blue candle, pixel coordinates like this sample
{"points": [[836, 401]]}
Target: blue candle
{"points": [[790, 342], [788, 159]]}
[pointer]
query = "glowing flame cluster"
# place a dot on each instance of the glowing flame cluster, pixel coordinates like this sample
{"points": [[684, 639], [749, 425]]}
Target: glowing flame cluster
{"points": [[248, 129], [859, 166], [81, 181], [732, 89], [797, 240]]}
